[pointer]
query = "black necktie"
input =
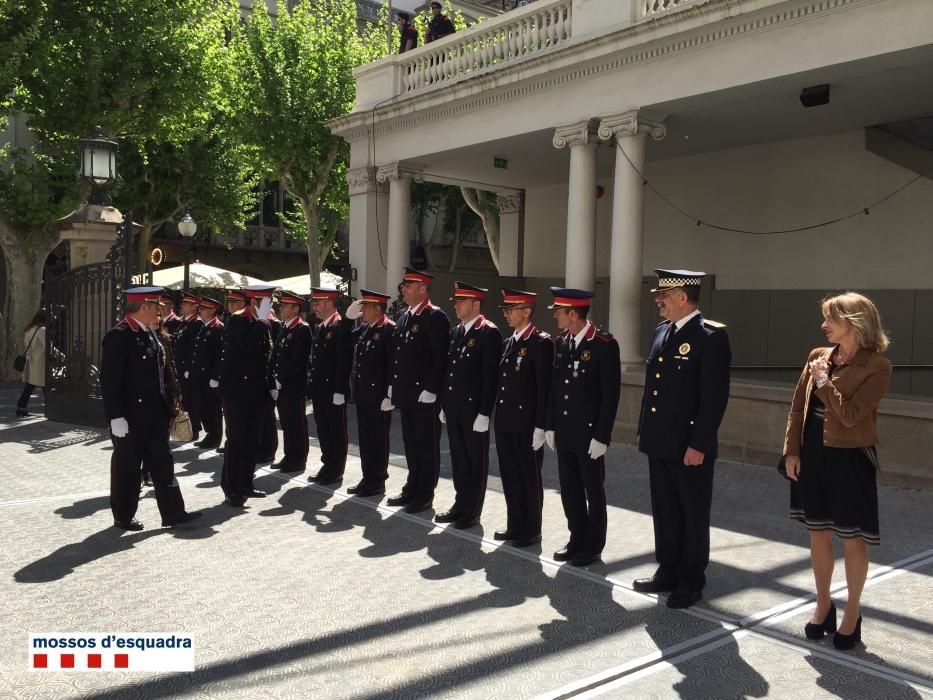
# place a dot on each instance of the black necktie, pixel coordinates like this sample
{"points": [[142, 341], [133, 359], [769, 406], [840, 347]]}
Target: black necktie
{"points": [[460, 333], [670, 334], [573, 345]]}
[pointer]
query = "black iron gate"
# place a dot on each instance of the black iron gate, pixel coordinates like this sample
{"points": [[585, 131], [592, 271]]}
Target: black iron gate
{"points": [[83, 304]]}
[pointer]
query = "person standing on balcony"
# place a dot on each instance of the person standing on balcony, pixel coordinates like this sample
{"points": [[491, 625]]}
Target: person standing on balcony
{"points": [[421, 340], [188, 330], [831, 458], [290, 373], [440, 24], [685, 397], [468, 394], [331, 357], [582, 405], [204, 372], [409, 33]]}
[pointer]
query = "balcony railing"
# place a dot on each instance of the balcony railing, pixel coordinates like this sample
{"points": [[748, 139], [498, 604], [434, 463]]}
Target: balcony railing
{"points": [[513, 36], [647, 8]]}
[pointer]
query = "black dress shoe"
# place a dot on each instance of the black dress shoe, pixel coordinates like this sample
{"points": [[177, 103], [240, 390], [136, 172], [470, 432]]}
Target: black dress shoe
{"points": [[845, 642], [288, 468], [583, 559], [464, 523], [370, 491], [131, 524], [235, 501], [565, 554], [418, 507], [253, 493], [447, 516], [653, 584], [526, 541], [503, 535], [683, 599], [355, 489], [182, 518], [329, 480], [403, 499], [206, 444], [819, 630], [21, 413]]}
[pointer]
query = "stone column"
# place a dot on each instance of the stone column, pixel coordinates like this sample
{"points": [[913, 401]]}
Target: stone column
{"points": [[628, 131], [398, 248], [369, 228], [511, 233], [581, 202], [92, 229]]}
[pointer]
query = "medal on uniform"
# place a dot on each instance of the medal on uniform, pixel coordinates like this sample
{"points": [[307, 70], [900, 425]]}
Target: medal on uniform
{"points": [[522, 353], [684, 348], [414, 328], [375, 336], [328, 335], [585, 355], [471, 342], [576, 365]]}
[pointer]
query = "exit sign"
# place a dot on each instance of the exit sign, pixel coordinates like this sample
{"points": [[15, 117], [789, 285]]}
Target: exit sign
{"points": [[499, 162]]}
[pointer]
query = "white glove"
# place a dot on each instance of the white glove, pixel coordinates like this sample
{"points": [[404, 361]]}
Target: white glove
{"points": [[354, 310], [549, 438], [265, 306], [278, 384], [481, 424], [339, 400], [186, 374], [213, 384], [119, 427], [274, 393], [537, 440], [597, 449], [427, 397], [386, 405], [442, 416], [390, 391]]}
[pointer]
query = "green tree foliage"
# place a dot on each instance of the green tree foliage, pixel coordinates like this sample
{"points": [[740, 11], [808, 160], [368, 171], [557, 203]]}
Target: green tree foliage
{"points": [[294, 74]]}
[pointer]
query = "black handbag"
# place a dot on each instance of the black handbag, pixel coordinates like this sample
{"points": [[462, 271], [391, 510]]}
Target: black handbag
{"points": [[19, 362]]}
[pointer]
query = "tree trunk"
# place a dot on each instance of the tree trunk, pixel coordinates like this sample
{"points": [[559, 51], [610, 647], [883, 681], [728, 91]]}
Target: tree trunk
{"points": [[481, 203], [22, 295], [143, 238], [312, 221]]}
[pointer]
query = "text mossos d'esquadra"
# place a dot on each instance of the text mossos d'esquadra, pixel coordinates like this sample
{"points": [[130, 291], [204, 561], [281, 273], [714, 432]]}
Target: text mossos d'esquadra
{"points": [[111, 641]]}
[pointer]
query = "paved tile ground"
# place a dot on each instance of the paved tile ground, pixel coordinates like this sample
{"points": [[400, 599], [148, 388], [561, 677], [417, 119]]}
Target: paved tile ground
{"points": [[311, 594]]}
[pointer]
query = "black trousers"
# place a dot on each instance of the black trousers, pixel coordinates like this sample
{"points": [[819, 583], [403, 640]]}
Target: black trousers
{"points": [[584, 498], [331, 422], [145, 447], [294, 427], [24, 397], [236, 479], [469, 456], [210, 411], [189, 398], [421, 432], [520, 469], [268, 431], [681, 498], [373, 425]]}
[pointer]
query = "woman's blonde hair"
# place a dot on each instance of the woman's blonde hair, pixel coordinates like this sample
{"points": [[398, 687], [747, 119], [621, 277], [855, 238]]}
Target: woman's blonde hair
{"points": [[861, 313]]}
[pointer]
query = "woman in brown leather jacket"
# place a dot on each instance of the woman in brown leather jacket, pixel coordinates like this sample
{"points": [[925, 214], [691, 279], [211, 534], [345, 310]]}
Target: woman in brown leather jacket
{"points": [[830, 454]]}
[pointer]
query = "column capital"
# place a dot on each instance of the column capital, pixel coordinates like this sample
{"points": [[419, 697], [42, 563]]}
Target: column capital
{"points": [[511, 203], [398, 171], [631, 123], [363, 181], [580, 133]]}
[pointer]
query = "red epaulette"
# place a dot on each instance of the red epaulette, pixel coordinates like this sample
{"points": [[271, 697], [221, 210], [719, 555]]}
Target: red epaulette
{"points": [[487, 322], [605, 337]]}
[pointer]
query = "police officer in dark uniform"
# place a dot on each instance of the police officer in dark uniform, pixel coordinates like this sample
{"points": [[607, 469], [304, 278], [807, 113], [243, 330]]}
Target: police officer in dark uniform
{"points": [[133, 381], [422, 337], [170, 320], [468, 394], [204, 372], [331, 357], [244, 385], [268, 430], [183, 347], [582, 407], [524, 383], [373, 358], [290, 371], [686, 392]]}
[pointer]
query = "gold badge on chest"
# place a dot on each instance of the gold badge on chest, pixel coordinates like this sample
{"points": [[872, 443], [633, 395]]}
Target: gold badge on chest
{"points": [[585, 355], [684, 348]]}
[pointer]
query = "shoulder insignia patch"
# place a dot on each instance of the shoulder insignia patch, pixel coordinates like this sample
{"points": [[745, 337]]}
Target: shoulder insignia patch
{"points": [[542, 334], [605, 337], [239, 312], [713, 324]]}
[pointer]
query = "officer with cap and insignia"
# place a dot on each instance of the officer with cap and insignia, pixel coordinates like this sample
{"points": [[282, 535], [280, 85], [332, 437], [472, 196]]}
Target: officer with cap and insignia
{"points": [[418, 360], [170, 320], [290, 374], [373, 354], [268, 431], [524, 383], [236, 300], [468, 395], [183, 347], [331, 357], [686, 392], [244, 385], [582, 405], [204, 372], [138, 405]]}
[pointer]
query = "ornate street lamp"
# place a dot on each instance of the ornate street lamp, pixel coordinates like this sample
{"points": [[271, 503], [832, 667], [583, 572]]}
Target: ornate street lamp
{"points": [[98, 165], [187, 227]]}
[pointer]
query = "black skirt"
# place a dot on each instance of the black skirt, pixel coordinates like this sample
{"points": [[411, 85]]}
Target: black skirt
{"points": [[836, 489]]}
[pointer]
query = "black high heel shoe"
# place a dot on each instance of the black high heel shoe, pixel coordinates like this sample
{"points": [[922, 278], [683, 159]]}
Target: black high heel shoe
{"points": [[22, 413], [821, 629], [844, 642]]}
